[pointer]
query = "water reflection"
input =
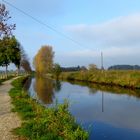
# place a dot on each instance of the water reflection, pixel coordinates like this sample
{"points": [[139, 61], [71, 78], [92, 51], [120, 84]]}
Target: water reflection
{"points": [[102, 101], [84, 84], [112, 111], [44, 89], [57, 86], [93, 88], [27, 84]]}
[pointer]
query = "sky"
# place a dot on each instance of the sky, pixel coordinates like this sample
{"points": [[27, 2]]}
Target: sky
{"points": [[83, 29]]}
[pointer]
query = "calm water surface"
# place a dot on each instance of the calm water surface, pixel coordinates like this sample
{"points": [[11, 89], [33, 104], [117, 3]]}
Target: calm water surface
{"points": [[108, 113]]}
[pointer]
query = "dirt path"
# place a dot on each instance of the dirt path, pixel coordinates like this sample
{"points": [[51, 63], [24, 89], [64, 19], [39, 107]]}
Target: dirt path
{"points": [[8, 119]]}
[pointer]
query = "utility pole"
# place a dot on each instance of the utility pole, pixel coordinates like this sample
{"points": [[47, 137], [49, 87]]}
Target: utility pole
{"points": [[102, 67], [102, 101]]}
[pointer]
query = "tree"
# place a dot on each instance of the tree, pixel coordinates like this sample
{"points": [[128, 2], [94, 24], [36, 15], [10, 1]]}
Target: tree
{"points": [[9, 52], [57, 70], [5, 37], [5, 27], [14, 52], [26, 65], [92, 67], [44, 89], [4, 57], [43, 61]]}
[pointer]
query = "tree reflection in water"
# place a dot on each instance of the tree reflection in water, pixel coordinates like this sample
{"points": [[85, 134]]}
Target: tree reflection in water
{"points": [[57, 86], [44, 89], [27, 84], [93, 88]]}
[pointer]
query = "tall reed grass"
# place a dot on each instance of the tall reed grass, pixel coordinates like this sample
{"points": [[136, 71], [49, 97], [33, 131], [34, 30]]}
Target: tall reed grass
{"points": [[127, 79]]}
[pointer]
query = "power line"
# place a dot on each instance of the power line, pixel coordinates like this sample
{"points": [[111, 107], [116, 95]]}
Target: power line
{"points": [[44, 24]]}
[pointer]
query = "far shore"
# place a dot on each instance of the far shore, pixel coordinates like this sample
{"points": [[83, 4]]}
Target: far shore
{"points": [[125, 79]]}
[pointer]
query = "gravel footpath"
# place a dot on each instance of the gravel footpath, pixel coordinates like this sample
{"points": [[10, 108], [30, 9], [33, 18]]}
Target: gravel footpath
{"points": [[8, 119]]}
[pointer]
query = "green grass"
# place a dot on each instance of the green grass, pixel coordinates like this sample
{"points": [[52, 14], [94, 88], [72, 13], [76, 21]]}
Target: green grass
{"points": [[127, 79], [39, 123]]}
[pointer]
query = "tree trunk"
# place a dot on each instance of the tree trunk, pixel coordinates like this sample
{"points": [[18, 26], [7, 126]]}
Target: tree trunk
{"points": [[6, 74], [18, 69]]}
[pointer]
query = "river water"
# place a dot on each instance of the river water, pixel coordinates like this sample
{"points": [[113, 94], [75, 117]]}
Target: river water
{"points": [[108, 113]]}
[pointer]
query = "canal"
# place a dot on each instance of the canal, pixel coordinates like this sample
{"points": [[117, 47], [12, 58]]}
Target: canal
{"points": [[108, 113]]}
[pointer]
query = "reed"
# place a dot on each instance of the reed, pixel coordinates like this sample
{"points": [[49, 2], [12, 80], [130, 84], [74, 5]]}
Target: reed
{"points": [[127, 79]]}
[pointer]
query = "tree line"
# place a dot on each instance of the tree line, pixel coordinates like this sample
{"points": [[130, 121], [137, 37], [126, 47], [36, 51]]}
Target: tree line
{"points": [[124, 67], [11, 51]]}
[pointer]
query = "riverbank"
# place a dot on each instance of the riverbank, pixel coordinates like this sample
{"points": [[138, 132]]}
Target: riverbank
{"points": [[39, 123], [125, 79], [8, 119]]}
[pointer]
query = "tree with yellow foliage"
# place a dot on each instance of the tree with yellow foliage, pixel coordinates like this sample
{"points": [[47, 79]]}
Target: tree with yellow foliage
{"points": [[43, 61]]}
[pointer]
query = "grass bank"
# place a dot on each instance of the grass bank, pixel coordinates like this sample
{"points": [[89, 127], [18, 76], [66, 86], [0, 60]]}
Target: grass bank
{"points": [[39, 123], [126, 79]]}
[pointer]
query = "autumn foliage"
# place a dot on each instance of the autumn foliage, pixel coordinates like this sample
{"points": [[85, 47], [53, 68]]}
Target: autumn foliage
{"points": [[43, 61]]}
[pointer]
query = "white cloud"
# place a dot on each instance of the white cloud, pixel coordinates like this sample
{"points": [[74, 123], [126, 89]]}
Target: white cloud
{"points": [[112, 56], [119, 32], [118, 39], [108, 52]]}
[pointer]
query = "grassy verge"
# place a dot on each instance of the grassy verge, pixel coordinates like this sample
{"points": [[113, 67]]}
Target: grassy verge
{"points": [[39, 123], [127, 79]]}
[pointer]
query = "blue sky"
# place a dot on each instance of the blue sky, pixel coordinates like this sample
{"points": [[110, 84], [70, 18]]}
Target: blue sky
{"points": [[110, 26]]}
